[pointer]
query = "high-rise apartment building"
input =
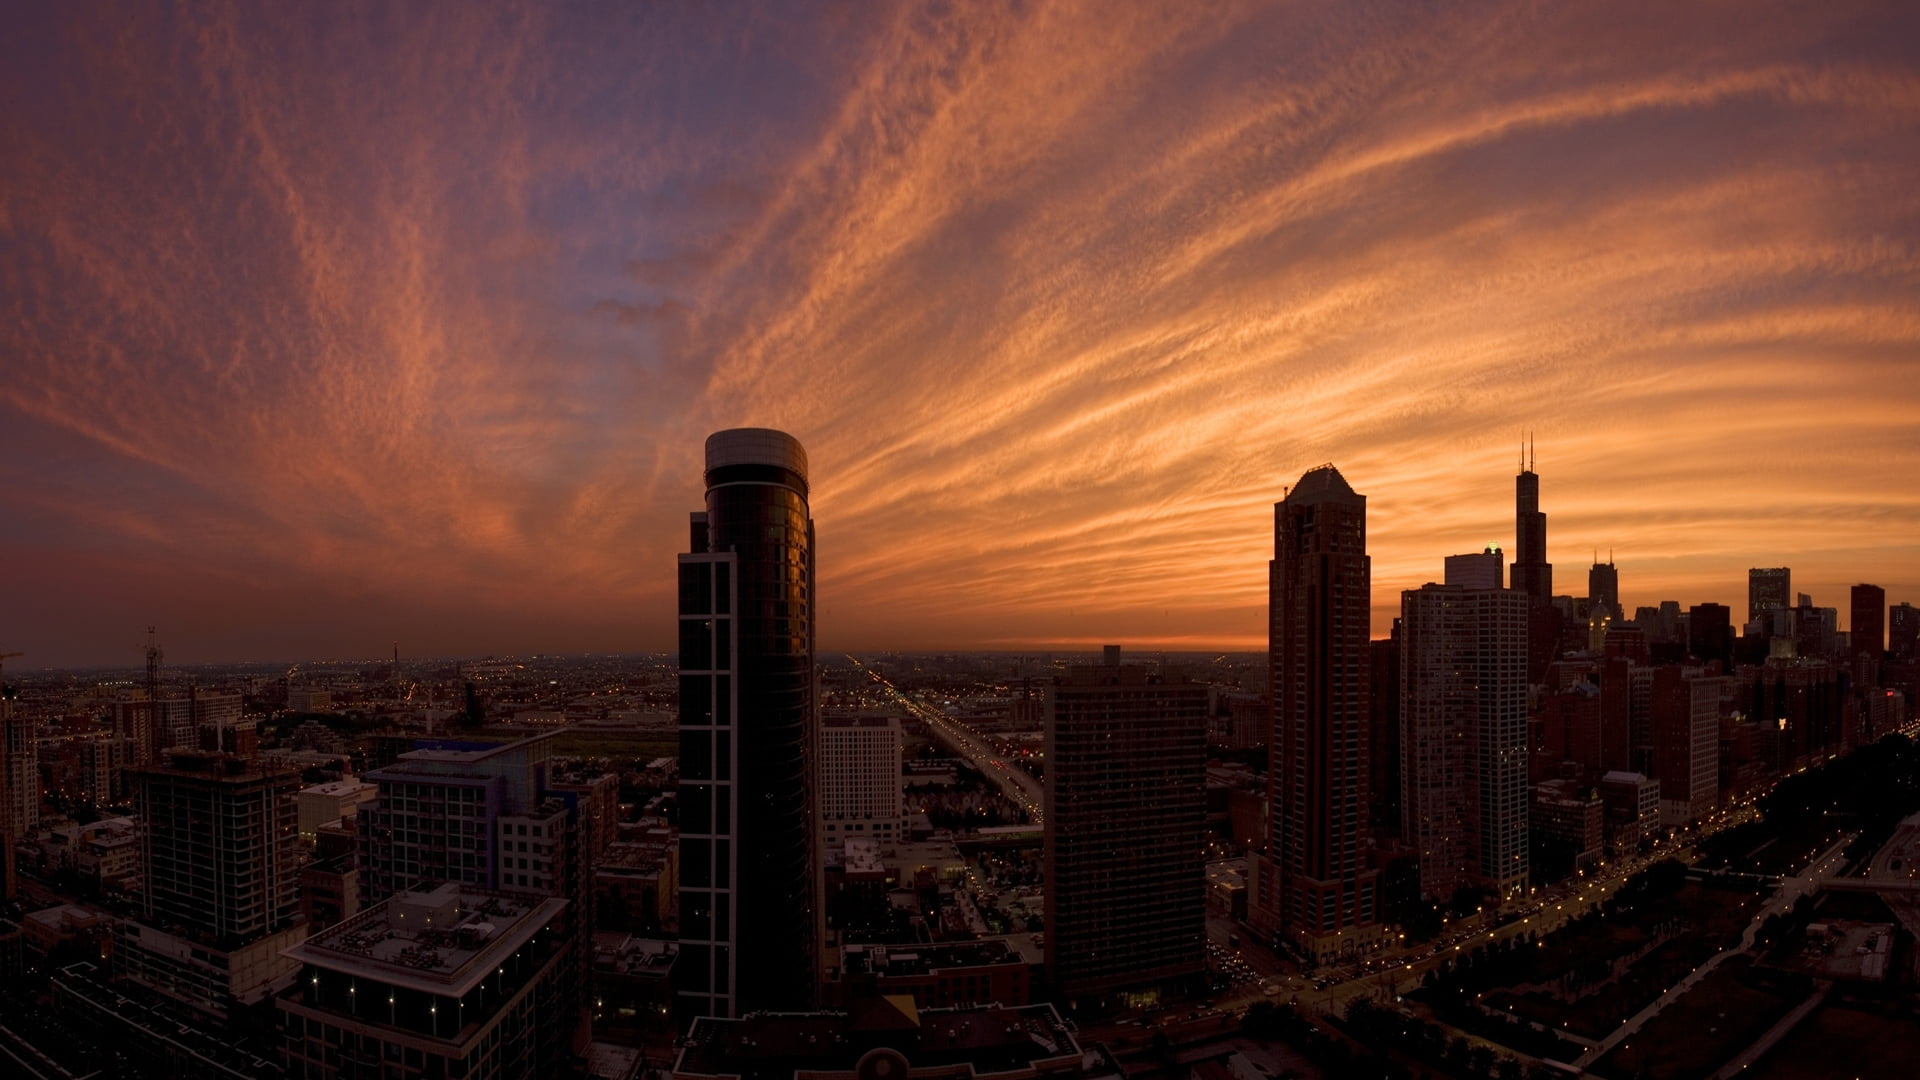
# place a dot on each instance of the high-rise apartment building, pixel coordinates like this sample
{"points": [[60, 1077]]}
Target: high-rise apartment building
{"points": [[1868, 629], [219, 900], [1125, 822], [1312, 887], [1463, 686], [750, 918], [440, 814], [220, 843], [19, 774], [1768, 589], [1686, 722], [860, 778]]}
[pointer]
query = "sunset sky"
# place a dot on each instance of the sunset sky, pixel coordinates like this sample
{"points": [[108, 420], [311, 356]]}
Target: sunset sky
{"points": [[330, 325]]}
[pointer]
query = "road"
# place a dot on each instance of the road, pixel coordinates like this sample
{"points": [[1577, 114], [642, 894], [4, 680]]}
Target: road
{"points": [[1015, 782]]}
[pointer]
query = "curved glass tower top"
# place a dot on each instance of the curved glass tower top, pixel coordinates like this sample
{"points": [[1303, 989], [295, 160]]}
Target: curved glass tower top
{"points": [[748, 898]]}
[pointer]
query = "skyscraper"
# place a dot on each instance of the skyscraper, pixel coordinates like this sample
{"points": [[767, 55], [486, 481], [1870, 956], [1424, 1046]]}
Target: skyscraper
{"points": [[1463, 688], [1532, 573], [1768, 589], [1603, 587], [1312, 887], [748, 740], [1868, 629], [1125, 824], [1903, 631]]}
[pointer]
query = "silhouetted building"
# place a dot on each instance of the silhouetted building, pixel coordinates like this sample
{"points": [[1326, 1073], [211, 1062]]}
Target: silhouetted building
{"points": [[1710, 634], [1603, 588], [1903, 631], [1868, 628], [1383, 732], [1125, 822], [1464, 710], [1533, 574], [1768, 589], [1476, 570], [1686, 721], [750, 920], [1312, 887]]}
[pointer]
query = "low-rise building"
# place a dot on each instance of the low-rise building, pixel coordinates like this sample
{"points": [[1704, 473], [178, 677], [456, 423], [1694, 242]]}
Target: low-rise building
{"points": [[455, 981], [340, 799]]}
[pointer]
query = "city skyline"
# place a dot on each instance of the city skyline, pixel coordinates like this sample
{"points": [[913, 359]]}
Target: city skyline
{"points": [[324, 338]]}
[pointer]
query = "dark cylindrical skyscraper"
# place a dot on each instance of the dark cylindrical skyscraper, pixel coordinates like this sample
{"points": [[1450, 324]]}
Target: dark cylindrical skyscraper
{"points": [[748, 898]]}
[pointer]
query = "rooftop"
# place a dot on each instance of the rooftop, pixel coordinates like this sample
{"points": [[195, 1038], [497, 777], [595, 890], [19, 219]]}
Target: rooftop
{"points": [[439, 942]]}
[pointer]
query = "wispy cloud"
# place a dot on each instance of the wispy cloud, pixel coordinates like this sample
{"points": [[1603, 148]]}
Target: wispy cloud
{"points": [[428, 310]]}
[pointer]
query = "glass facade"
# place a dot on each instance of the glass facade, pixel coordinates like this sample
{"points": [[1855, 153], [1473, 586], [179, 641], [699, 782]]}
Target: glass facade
{"points": [[748, 895]]}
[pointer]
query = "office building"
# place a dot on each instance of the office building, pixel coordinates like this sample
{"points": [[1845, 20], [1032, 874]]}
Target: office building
{"points": [[1868, 630], [1125, 822], [452, 981], [1603, 588], [860, 778], [1312, 888], [748, 737], [1532, 573], [1463, 687], [1768, 589]]}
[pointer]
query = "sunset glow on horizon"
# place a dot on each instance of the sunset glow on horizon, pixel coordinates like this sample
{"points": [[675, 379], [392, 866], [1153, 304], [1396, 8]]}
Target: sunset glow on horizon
{"points": [[340, 326]]}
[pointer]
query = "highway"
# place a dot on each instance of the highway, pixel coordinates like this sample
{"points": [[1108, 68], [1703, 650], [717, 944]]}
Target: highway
{"points": [[962, 741]]}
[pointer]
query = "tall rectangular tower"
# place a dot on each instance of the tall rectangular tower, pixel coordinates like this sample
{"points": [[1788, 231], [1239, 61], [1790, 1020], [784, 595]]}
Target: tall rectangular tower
{"points": [[749, 743], [1316, 876], [1603, 587], [221, 844], [860, 793], [1125, 824], [1464, 706], [1769, 588], [1868, 629]]}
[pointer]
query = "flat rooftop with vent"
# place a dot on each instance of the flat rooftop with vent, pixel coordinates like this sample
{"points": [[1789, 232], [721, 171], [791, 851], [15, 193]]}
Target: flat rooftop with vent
{"points": [[440, 942]]}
